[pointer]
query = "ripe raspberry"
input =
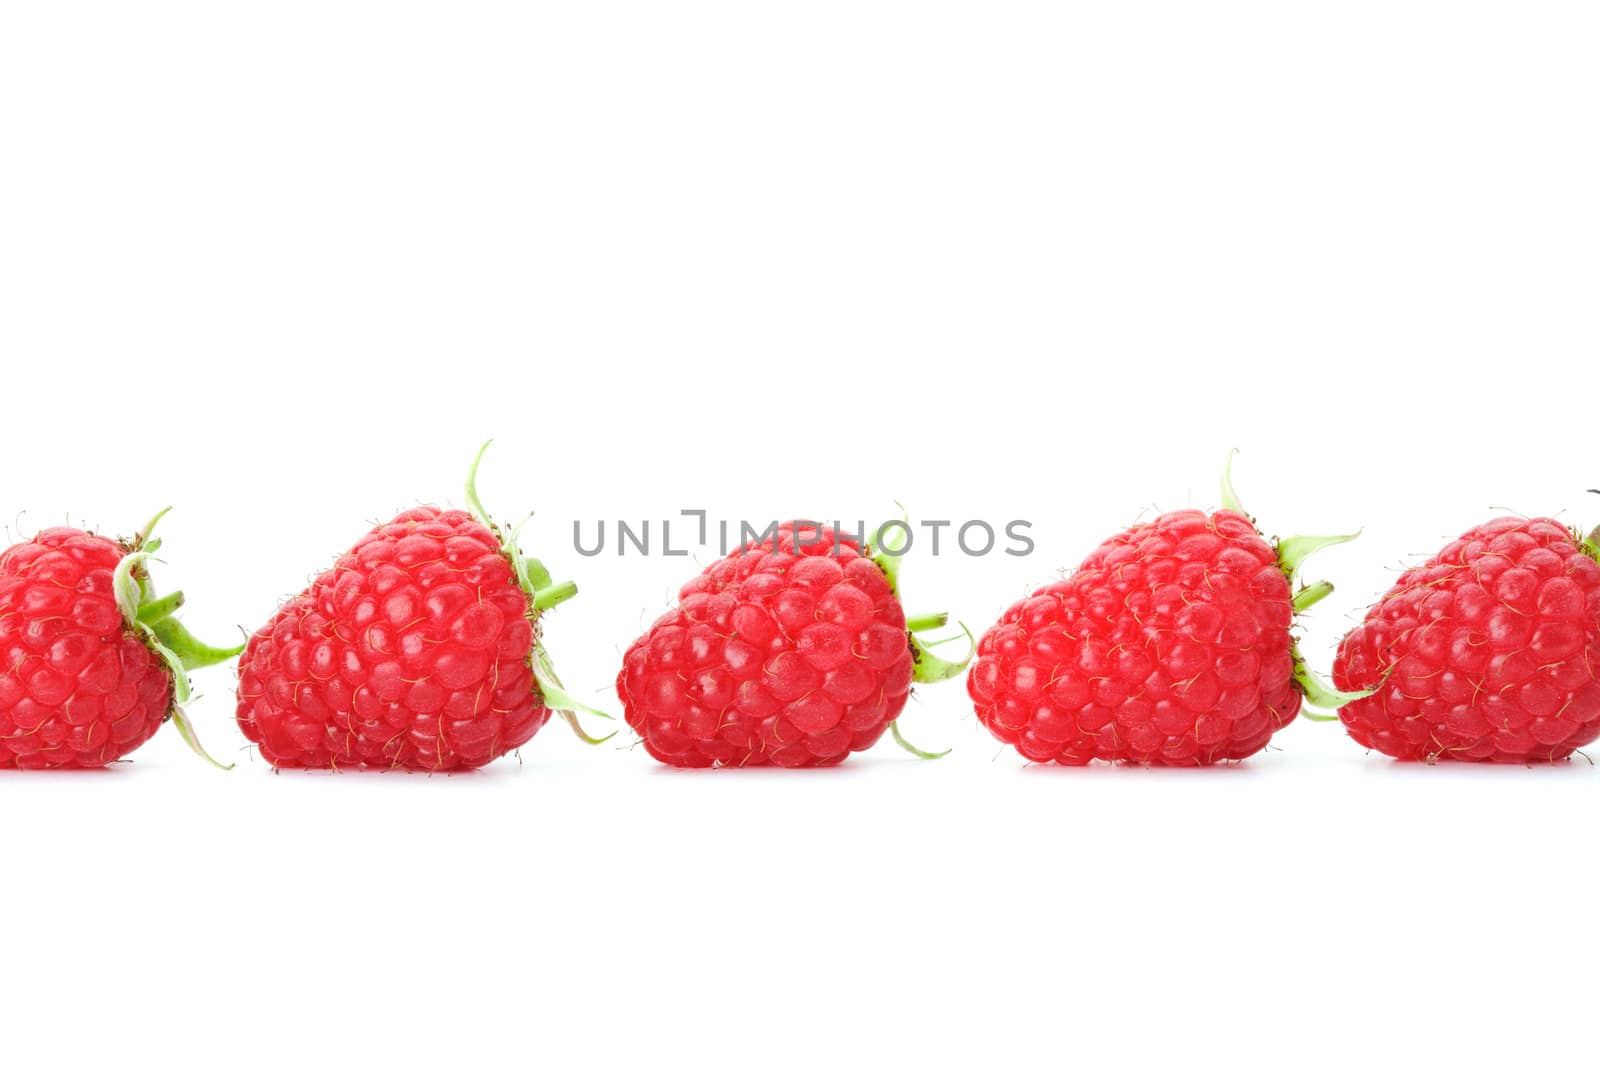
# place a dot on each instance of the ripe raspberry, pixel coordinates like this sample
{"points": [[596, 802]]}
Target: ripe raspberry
{"points": [[1487, 651], [1169, 645], [418, 649], [792, 651], [91, 661]]}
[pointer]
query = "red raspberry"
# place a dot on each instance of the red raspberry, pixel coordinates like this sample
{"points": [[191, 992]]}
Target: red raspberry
{"points": [[1485, 652], [1169, 645], [792, 651], [418, 649], [91, 661]]}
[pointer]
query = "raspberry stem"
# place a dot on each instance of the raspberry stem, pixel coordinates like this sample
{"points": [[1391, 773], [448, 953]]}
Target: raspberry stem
{"points": [[918, 623]]}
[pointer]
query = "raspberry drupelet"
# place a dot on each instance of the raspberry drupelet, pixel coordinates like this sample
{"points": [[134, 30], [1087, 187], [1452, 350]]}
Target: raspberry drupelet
{"points": [[791, 651], [420, 649], [1169, 645], [92, 662], [1486, 652]]}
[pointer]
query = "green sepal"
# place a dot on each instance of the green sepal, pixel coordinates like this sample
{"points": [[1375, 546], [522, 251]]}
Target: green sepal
{"points": [[899, 739], [151, 618], [153, 611], [185, 728], [192, 653], [474, 505], [1309, 595], [563, 703], [1293, 551], [542, 593], [888, 554], [1321, 694], [1230, 496], [928, 668], [142, 538], [551, 595], [125, 587]]}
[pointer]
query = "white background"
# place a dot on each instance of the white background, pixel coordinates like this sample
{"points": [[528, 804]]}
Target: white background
{"points": [[285, 269]]}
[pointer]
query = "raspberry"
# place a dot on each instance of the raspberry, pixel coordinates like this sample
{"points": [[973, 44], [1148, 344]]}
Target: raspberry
{"points": [[792, 651], [419, 649], [1485, 652], [1169, 645], [91, 661]]}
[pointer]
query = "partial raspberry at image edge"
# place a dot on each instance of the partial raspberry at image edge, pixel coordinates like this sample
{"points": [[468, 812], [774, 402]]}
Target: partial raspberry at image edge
{"points": [[1486, 652], [92, 659]]}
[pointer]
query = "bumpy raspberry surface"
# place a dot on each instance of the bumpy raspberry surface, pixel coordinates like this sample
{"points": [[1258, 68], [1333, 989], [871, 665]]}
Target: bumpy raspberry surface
{"points": [[1169, 645], [77, 687], [792, 651], [413, 651], [1488, 651]]}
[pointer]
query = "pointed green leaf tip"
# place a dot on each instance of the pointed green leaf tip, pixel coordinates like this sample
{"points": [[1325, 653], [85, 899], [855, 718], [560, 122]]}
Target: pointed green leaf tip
{"points": [[475, 505], [1293, 551], [1230, 497], [190, 650], [142, 538], [920, 753], [563, 703]]}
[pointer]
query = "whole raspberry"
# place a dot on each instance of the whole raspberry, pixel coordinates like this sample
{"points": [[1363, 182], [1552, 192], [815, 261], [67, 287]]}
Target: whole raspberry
{"points": [[1487, 651], [92, 662], [793, 650], [1169, 645], [418, 649]]}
